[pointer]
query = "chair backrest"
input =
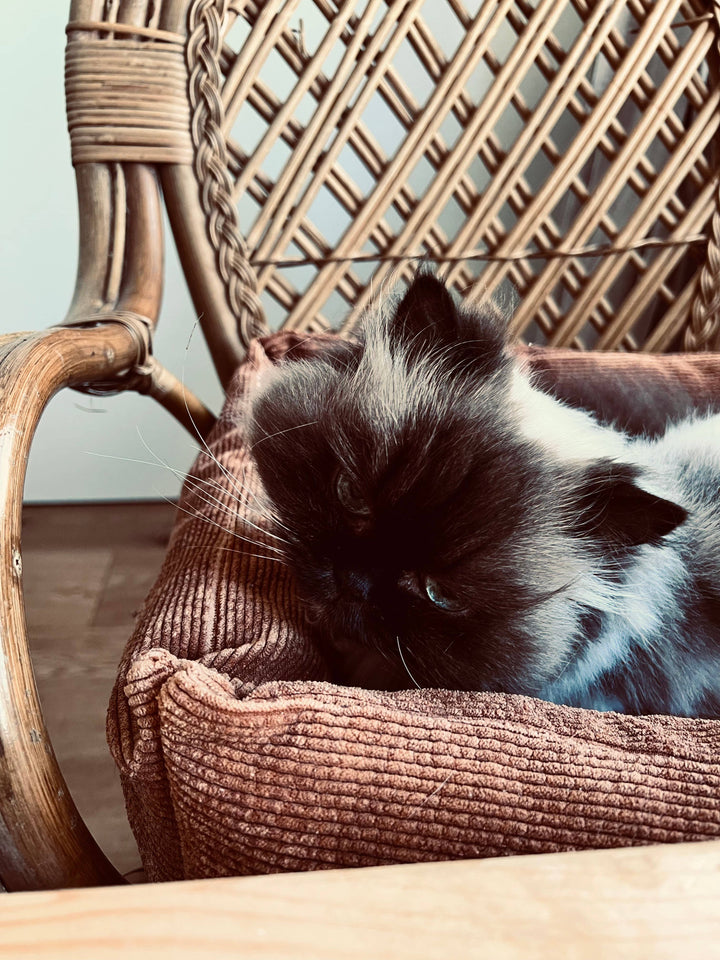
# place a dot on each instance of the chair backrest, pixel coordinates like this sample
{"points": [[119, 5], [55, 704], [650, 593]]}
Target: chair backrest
{"points": [[554, 155]]}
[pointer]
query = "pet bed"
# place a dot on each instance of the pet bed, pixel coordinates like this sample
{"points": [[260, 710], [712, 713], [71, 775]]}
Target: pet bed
{"points": [[236, 756]]}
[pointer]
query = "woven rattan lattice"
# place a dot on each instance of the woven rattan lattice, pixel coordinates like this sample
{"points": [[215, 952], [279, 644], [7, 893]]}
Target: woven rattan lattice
{"points": [[555, 156], [448, 127]]}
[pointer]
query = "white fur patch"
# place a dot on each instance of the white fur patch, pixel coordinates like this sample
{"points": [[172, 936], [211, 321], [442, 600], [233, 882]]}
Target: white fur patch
{"points": [[643, 606], [567, 434]]}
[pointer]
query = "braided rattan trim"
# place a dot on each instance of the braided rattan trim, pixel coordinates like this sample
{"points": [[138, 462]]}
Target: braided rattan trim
{"points": [[211, 167], [704, 325], [127, 100]]}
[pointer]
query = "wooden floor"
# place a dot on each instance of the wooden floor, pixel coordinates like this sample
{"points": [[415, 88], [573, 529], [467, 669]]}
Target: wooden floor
{"points": [[87, 569]]}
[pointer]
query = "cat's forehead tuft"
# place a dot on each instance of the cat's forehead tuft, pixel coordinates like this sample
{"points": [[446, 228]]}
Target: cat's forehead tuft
{"points": [[393, 381]]}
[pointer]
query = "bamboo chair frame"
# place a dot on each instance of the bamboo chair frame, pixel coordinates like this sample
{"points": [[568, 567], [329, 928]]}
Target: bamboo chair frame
{"points": [[176, 135]]}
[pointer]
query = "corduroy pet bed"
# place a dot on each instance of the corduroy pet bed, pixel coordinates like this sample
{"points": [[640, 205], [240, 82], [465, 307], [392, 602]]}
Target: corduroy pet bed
{"points": [[236, 757]]}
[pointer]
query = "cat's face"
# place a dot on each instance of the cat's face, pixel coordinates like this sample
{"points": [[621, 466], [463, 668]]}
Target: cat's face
{"points": [[429, 534]]}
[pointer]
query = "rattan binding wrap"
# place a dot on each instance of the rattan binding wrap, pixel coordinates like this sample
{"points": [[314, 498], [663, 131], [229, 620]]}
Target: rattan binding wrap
{"points": [[127, 97]]}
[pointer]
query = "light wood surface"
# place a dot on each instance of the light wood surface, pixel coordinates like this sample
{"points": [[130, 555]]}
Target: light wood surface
{"points": [[654, 902]]}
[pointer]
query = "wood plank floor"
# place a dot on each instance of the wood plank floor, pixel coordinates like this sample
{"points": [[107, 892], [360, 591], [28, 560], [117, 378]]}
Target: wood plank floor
{"points": [[87, 569]]}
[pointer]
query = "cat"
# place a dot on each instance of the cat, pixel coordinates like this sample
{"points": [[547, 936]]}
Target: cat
{"points": [[450, 525]]}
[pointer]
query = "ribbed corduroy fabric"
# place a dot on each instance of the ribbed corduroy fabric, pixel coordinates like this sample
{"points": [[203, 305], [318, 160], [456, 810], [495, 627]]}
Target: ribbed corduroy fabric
{"points": [[236, 757]]}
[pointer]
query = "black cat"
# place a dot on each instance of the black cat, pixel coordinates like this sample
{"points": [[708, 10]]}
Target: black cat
{"points": [[450, 525]]}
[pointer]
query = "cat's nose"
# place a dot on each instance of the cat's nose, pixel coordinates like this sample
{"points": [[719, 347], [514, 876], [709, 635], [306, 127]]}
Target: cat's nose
{"points": [[353, 584]]}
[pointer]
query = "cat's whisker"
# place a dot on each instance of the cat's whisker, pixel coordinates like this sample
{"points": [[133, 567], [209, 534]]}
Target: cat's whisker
{"points": [[279, 433], [407, 668], [221, 488], [200, 490], [185, 477], [216, 548], [239, 536], [198, 433], [300, 343], [146, 463], [200, 437], [260, 556], [214, 523], [265, 533], [386, 655], [206, 497], [436, 791], [240, 512], [242, 488], [204, 481], [268, 513], [235, 514], [238, 486], [190, 478]]}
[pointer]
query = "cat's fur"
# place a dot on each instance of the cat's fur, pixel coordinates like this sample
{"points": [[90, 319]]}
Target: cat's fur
{"points": [[452, 526]]}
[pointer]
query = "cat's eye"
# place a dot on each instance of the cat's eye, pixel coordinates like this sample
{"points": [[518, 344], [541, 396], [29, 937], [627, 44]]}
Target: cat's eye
{"points": [[438, 596], [350, 495]]}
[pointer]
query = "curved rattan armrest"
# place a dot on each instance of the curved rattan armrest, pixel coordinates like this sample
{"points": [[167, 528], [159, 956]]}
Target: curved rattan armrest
{"points": [[43, 840]]}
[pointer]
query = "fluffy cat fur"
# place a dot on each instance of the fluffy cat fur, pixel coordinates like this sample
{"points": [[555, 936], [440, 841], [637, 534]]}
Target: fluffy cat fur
{"points": [[452, 526]]}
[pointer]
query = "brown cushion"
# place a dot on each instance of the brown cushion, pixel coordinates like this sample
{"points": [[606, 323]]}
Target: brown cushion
{"points": [[236, 757], [638, 392]]}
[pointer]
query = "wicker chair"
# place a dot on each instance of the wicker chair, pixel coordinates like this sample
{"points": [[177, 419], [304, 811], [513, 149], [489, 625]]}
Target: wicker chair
{"points": [[560, 151]]}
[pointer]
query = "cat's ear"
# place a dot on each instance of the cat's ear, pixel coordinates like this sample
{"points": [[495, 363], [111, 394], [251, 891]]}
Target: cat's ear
{"points": [[614, 508], [426, 314], [428, 317]]}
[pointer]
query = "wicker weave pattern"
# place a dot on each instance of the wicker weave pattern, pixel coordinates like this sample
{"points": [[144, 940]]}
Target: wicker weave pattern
{"points": [[413, 129]]}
